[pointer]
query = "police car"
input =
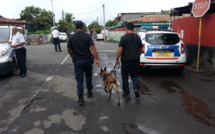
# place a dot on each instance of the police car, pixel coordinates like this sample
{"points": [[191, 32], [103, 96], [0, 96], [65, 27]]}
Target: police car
{"points": [[162, 49], [8, 61]]}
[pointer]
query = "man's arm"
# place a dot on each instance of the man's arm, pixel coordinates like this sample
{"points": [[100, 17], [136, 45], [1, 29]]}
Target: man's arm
{"points": [[69, 50], [4, 41], [119, 53], [93, 49]]}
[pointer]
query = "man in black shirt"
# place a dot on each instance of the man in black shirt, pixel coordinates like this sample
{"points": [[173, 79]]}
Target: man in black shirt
{"points": [[129, 50], [80, 46]]}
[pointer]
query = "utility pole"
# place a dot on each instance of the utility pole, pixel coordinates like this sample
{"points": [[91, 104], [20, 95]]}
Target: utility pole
{"points": [[63, 19], [53, 14], [104, 20]]}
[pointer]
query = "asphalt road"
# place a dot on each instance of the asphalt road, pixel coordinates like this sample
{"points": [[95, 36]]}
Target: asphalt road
{"points": [[45, 102]]}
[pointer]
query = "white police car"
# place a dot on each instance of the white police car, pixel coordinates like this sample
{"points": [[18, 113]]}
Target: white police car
{"points": [[8, 62], [162, 49]]}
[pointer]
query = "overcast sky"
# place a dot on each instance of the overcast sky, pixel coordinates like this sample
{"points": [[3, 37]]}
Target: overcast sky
{"points": [[82, 8]]}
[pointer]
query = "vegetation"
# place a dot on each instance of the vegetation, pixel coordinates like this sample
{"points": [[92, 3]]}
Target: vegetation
{"points": [[39, 18], [111, 23], [94, 25]]}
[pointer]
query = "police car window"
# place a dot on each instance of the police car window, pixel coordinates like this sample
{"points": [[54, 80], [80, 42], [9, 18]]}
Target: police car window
{"points": [[4, 34], [162, 39]]}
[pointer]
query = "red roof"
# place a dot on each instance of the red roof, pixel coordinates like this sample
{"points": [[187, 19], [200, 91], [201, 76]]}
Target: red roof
{"points": [[6, 20]]}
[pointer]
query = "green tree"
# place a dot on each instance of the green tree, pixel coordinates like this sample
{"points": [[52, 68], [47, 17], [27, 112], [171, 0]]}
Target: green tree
{"points": [[64, 25], [39, 18], [94, 25], [69, 17], [111, 23]]}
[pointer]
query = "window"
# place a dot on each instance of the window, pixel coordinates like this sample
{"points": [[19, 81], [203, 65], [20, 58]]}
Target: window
{"points": [[162, 39], [4, 34]]}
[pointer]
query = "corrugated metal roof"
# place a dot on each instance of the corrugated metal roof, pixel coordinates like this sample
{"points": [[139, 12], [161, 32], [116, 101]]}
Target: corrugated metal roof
{"points": [[152, 18], [6, 20]]}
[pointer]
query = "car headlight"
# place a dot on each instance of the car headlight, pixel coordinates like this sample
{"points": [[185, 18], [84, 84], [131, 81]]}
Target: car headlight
{"points": [[3, 51]]}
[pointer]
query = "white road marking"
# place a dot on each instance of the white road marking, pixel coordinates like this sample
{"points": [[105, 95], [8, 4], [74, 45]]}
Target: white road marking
{"points": [[50, 77], [65, 59]]}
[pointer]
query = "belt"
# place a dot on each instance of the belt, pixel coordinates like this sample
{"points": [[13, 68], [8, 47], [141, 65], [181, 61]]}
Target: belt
{"points": [[20, 48]]}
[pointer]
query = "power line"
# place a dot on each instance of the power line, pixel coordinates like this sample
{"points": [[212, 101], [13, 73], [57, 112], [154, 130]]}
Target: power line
{"points": [[89, 12], [109, 13]]}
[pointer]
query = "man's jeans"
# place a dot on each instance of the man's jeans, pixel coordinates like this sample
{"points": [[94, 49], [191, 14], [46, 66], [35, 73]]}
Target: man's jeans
{"points": [[83, 66], [129, 68]]}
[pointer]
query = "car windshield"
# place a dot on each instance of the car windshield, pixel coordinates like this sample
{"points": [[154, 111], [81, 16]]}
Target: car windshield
{"points": [[4, 34], [162, 39]]}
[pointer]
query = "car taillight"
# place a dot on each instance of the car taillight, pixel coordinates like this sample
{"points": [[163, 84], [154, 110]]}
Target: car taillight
{"points": [[143, 48], [182, 48]]}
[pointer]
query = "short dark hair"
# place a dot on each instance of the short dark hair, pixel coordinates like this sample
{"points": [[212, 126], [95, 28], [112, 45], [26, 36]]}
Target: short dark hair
{"points": [[79, 25], [129, 26]]}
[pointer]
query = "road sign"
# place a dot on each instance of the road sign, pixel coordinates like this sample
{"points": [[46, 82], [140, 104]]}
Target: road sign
{"points": [[200, 7]]}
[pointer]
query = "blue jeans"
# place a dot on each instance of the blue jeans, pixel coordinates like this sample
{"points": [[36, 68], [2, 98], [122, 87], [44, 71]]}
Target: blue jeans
{"points": [[83, 66], [129, 68]]}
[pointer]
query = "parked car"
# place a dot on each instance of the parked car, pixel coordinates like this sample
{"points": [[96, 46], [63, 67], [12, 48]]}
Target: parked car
{"points": [[8, 62], [100, 36], [62, 36], [162, 49]]}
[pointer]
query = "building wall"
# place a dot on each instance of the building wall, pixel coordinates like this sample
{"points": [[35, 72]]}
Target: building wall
{"points": [[115, 34], [128, 17], [188, 28], [37, 39]]}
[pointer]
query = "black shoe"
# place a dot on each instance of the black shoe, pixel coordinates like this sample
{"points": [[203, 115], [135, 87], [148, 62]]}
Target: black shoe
{"points": [[60, 51], [23, 75], [89, 94], [81, 101], [18, 75], [126, 96], [56, 51], [137, 94]]}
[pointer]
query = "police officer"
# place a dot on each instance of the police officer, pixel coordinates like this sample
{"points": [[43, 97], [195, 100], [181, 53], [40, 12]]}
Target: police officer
{"points": [[129, 51], [18, 43], [56, 41], [79, 46]]}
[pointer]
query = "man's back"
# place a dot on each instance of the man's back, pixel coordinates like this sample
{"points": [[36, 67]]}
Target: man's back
{"points": [[131, 44], [80, 43]]}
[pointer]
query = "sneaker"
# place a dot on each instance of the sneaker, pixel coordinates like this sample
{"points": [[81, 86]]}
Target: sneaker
{"points": [[137, 94], [81, 101], [23, 75], [126, 96], [89, 94]]}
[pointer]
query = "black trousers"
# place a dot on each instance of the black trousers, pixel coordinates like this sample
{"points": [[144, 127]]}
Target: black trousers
{"points": [[56, 43], [21, 59]]}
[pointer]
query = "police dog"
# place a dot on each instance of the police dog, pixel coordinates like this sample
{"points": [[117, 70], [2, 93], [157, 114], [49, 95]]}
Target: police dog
{"points": [[109, 83]]}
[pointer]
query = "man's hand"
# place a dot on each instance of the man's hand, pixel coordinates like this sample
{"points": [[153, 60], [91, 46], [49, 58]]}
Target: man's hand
{"points": [[14, 46], [117, 62], [97, 63]]}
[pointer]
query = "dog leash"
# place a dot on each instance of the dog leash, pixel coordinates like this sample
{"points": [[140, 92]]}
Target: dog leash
{"points": [[116, 68]]}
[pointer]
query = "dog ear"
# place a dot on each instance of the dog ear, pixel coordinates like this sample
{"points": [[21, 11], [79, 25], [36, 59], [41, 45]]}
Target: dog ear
{"points": [[105, 69], [101, 68]]}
